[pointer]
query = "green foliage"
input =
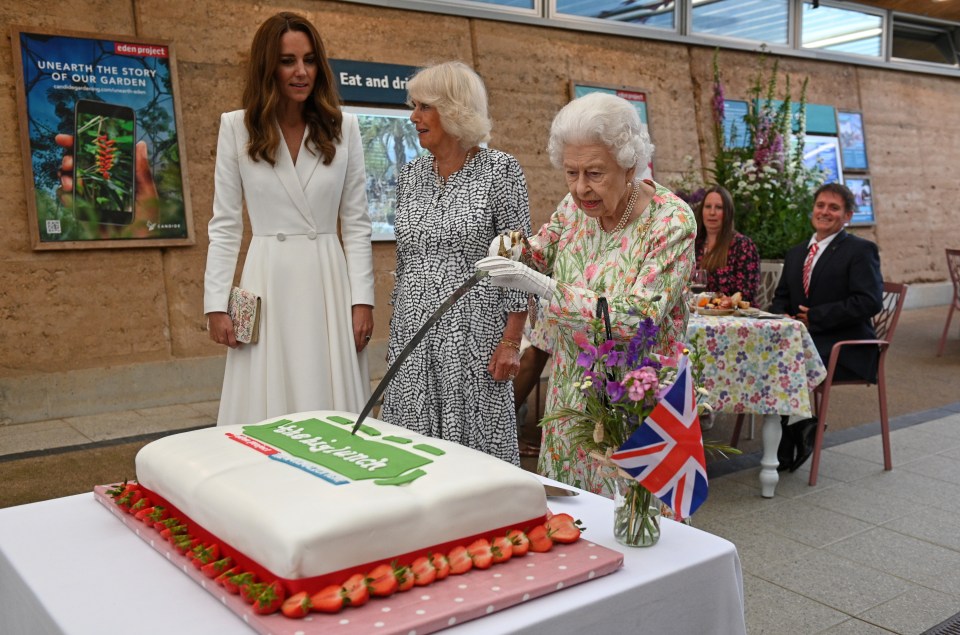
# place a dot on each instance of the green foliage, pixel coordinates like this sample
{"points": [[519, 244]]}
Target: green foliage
{"points": [[772, 189]]}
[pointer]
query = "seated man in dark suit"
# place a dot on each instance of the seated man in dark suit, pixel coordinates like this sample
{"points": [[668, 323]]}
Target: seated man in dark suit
{"points": [[832, 284]]}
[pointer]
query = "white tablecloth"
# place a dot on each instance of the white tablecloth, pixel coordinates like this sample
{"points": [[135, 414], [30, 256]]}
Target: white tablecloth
{"points": [[67, 566]]}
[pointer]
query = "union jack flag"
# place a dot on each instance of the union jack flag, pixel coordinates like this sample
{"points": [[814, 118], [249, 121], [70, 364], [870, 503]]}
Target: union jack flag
{"points": [[665, 454]]}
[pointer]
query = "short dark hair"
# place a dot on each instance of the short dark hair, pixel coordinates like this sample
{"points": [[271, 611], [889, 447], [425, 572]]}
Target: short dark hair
{"points": [[849, 201]]}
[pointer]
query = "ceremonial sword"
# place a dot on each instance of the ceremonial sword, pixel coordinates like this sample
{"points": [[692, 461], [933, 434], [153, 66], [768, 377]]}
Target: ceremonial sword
{"points": [[449, 302]]}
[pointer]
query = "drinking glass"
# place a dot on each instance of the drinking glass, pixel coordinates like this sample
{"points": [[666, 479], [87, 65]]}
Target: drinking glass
{"points": [[698, 281]]}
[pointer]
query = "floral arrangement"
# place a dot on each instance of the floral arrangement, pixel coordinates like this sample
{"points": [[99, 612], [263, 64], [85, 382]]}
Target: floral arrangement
{"points": [[772, 188], [621, 385]]}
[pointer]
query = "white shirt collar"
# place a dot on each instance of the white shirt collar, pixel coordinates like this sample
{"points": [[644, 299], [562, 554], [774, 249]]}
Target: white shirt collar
{"points": [[823, 243]]}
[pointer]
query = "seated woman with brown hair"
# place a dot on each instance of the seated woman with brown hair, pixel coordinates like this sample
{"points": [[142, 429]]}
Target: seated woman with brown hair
{"points": [[730, 258]]}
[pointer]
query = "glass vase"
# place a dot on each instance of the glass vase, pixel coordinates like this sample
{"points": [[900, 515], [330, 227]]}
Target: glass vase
{"points": [[636, 514]]}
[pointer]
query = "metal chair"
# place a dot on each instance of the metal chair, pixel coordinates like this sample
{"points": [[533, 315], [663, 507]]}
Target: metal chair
{"points": [[885, 324], [769, 279], [953, 265]]}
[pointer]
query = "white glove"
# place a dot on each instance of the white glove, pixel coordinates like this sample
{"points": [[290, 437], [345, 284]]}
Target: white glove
{"points": [[514, 275], [514, 249]]}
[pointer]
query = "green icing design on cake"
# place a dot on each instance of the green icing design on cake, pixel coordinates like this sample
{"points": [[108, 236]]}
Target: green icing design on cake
{"points": [[335, 449], [393, 439], [373, 432], [401, 480], [429, 449]]}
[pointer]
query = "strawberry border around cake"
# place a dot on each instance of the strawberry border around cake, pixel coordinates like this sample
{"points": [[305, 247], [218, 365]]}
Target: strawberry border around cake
{"points": [[426, 609]]}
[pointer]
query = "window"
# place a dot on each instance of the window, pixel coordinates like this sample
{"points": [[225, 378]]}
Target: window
{"points": [[759, 20], [842, 30], [659, 14], [517, 4], [923, 42]]}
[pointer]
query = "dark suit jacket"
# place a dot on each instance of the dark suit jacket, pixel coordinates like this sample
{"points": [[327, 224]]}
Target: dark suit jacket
{"points": [[846, 291]]}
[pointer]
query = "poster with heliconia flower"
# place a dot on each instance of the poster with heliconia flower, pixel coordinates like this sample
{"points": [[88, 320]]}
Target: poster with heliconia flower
{"points": [[103, 159]]}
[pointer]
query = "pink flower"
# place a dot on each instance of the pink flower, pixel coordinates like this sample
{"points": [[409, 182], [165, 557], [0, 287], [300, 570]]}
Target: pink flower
{"points": [[590, 271], [640, 382]]}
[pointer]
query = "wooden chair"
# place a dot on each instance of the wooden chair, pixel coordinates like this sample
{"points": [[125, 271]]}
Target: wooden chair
{"points": [[953, 265], [885, 324], [769, 279]]}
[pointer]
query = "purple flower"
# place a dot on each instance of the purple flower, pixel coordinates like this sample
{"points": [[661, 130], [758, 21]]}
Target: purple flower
{"points": [[717, 104], [615, 390], [585, 359]]}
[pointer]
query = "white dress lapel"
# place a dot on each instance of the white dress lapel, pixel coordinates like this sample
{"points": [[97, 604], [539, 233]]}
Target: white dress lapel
{"points": [[289, 176], [306, 162]]}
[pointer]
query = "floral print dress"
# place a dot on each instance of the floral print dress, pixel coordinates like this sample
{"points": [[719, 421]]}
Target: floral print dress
{"points": [[641, 271], [443, 389], [742, 271]]}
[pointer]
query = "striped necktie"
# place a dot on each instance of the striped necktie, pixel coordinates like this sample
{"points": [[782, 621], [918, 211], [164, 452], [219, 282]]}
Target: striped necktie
{"points": [[808, 267]]}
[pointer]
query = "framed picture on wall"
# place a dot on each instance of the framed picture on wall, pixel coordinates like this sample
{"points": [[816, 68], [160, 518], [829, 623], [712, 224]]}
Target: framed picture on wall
{"points": [[389, 142], [100, 132], [863, 195], [735, 130], [636, 96], [821, 151], [853, 143]]}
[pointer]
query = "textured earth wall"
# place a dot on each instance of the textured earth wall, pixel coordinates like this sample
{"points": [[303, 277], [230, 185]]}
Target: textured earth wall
{"points": [[67, 310]]}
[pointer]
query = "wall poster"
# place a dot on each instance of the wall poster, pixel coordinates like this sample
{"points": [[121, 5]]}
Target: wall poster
{"points": [[736, 132], [103, 157], [636, 96], [863, 195], [853, 143], [389, 141], [821, 151]]}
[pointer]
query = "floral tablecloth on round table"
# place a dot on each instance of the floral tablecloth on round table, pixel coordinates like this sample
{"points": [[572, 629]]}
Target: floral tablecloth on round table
{"points": [[765, 366]]}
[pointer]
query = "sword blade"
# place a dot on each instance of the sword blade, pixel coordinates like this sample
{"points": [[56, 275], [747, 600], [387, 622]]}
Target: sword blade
{"points": [[412, 344]]}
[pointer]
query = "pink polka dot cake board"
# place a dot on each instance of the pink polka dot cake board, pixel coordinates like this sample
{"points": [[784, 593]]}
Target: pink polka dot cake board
{"points": [[421, 610]]}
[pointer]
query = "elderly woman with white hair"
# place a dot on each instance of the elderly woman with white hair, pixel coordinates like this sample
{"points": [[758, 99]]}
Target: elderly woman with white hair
{"points": [[613, 236], [457, 384]]}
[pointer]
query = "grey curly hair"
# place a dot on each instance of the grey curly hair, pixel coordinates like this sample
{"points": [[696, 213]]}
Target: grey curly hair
{"points": [[601, 118]]}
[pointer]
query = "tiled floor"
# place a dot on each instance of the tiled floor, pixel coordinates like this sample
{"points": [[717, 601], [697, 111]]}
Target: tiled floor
{"points": [[863, 552]]}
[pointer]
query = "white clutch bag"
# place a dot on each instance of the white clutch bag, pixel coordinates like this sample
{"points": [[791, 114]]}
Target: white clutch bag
{"points": [[244, 309]]}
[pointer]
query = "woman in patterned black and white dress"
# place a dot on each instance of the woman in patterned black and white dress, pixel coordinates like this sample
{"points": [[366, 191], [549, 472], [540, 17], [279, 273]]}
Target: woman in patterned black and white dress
{"points": [[451, 203]]}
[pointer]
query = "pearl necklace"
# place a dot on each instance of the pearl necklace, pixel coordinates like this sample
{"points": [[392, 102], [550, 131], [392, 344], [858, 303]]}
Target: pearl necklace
{"points": [[442, 182], [626, 212]]}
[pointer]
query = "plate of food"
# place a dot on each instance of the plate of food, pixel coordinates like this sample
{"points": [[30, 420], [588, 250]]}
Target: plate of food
{"points": [[719, 304], [707, 310]]}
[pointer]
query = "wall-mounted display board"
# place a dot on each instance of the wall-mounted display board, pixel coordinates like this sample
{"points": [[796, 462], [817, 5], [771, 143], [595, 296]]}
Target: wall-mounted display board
{"points": [[389, 142], [820, 151], [853, 142], [863, 195], [735, 131], [819, 119], [636, 96], [104, 164]]}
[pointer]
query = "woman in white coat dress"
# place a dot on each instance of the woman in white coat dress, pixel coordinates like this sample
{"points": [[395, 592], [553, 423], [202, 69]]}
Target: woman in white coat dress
{"points": [[297, 160]]}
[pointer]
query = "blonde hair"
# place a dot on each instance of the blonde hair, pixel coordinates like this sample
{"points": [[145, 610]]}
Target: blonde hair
{"points": [[601, 118], [459, 96]]}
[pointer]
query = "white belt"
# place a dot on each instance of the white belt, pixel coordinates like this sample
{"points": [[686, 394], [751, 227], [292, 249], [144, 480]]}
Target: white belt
{"points": [[312, 235]]}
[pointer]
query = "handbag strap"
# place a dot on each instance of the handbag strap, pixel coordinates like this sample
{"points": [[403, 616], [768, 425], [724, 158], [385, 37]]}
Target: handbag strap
{"points": [[603, 311]]}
